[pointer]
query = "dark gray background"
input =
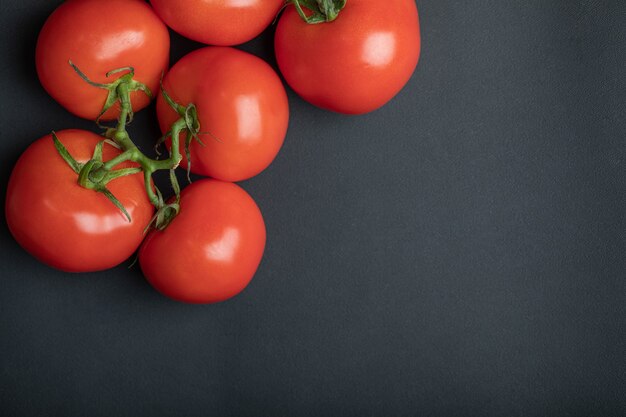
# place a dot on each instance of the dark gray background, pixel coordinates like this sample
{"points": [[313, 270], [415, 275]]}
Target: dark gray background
{"points": [[460, 252]]}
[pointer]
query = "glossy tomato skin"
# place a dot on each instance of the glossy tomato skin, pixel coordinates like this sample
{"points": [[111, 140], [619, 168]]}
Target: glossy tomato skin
{"points": [[99, 36], [218, 22], [354, 64], [64, 225], [240, 101], [211, 250]]}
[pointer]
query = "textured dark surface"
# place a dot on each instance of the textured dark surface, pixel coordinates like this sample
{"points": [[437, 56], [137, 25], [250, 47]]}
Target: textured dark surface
{"points": [[460, 252]]}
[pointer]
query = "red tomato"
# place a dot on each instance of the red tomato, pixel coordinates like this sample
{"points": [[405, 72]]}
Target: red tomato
{"points": [[354, 64], [242, 103], [99, 36], [218, 22], [211, 250], [65, 225]]}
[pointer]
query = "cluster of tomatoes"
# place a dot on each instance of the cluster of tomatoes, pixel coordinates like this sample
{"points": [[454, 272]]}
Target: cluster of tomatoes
{"points": [[79, 201]]}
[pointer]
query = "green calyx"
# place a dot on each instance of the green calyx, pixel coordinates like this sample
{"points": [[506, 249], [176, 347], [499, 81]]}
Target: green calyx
{"points": [[188, 123], [167, 211], [114, 87], [91, 174], [96, 173], [321, 11]]}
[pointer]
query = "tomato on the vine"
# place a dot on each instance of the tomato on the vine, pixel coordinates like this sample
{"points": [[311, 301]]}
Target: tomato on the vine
{"points": [[218, 22], [241, 106], [355, 63], [211, 250], [100, 36], [65, 225]]}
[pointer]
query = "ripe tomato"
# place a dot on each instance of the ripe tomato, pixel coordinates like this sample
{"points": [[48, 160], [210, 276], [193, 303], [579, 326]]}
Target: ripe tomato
{"points": [[357, 62], [65, 225], [218, 22], [242, 103], [99, 36], [211, 250]]}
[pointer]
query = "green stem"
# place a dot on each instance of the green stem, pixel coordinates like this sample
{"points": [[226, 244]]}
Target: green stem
{"points": [[132, 153], [147, 178], [95, 174], [123, 157], [125, 107]]}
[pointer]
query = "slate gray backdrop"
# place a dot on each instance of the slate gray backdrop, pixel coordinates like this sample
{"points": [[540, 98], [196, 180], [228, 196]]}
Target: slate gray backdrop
{"points": [[459, 252]]}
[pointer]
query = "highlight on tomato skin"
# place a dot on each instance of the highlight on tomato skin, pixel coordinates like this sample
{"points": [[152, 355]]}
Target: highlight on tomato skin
{"points": [[99, 36], [211, 250], [354, 64], [64, 225], [242, 108], [221, 23]]}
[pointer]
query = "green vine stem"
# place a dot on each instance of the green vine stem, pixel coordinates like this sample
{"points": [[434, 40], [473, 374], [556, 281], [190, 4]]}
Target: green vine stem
{"points": [[322, 11], [96, 173]]}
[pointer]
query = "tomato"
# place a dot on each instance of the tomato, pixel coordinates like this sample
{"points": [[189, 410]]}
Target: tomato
{"points": [[355, 63], [65, 225], [211, 250], [240, 101], [218, 22], [99, 36]]}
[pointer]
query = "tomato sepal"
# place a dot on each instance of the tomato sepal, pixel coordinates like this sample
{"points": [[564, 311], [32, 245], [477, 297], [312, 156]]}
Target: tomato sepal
{"points": [[115, 92], [167, 211], [188, 114], [322, 11], [93, 175]]}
